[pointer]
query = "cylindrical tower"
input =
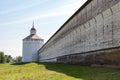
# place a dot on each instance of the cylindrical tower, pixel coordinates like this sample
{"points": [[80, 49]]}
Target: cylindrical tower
{"points": [[31, 45]]}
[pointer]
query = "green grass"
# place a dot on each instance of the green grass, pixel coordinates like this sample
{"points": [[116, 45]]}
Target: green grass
{"points": [[49, 71]]}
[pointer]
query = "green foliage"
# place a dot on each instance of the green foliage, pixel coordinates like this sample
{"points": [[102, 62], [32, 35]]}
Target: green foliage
{"points": [[2, 57], [5, 58], [50, 71], [18, 59], [8, 58]]}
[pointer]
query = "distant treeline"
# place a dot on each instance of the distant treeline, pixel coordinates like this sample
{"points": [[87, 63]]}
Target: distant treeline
{"points": [[8, 58]]}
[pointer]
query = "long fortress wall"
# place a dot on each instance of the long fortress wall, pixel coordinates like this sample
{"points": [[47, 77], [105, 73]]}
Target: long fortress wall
{"points": [[88, 35]]}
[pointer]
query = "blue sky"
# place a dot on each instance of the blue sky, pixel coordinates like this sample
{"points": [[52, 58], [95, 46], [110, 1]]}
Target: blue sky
{"points": [[16, 17]]}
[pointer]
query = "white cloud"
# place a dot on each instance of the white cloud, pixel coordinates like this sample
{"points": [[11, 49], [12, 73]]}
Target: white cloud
{"points": [[21, 7], [59, 11], [36, 17]]}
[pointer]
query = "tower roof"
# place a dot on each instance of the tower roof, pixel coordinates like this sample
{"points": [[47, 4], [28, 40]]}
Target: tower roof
{"points": [[33, 34], [33, 27], [33, 30]]}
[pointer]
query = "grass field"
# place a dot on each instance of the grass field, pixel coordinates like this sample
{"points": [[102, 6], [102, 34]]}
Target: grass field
{"points": [[49, 71]]}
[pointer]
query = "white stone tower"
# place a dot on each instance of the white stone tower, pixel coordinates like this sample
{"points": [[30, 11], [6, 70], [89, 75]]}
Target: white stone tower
{"points": [[31, 45]]}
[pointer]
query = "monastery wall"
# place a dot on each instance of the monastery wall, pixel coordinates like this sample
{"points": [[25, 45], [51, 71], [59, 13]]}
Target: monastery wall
{"points": [[88, 35]]}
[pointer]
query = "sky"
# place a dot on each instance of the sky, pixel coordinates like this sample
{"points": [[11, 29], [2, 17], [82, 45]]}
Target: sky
{"points": [[17, 16]]}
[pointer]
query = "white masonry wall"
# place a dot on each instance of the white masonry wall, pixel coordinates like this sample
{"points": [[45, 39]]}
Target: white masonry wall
{"points": [[30, 50], [95, 27]]}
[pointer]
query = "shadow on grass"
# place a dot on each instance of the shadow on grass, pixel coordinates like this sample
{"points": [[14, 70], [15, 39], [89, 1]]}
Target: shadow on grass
{"points": [[70, 70], [20, 63], [84, 72]]}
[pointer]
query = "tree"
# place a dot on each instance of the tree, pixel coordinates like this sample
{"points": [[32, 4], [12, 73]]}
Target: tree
{"points": [[5, 58], [18, 59], [8, 58], [2, 57]]}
